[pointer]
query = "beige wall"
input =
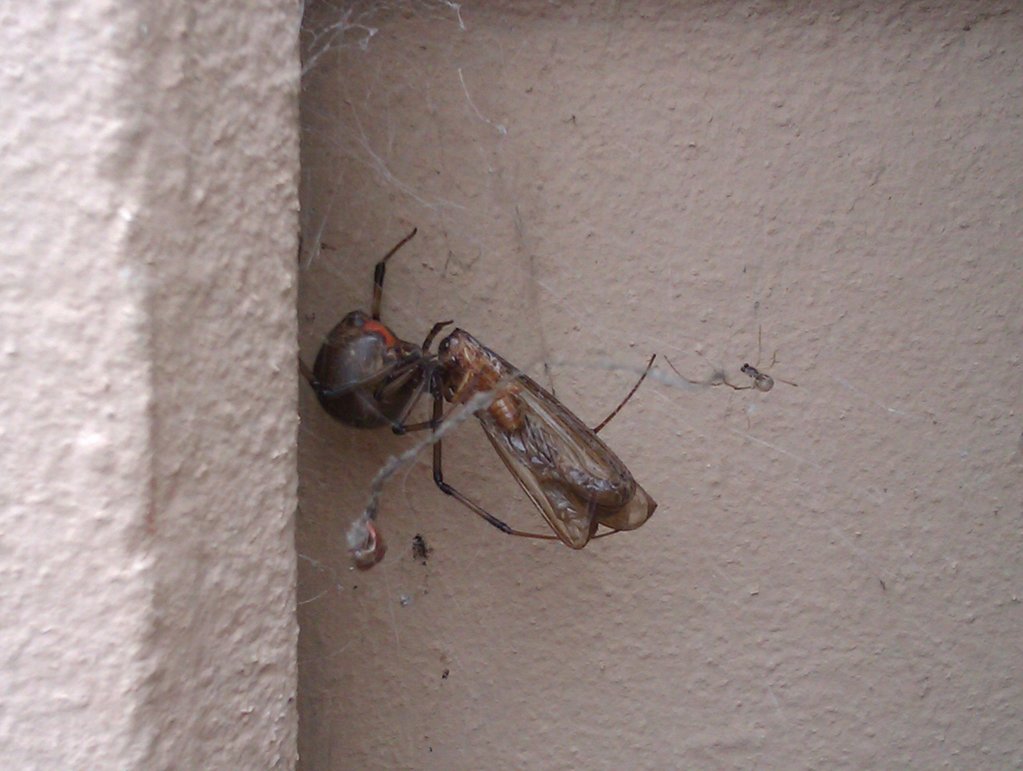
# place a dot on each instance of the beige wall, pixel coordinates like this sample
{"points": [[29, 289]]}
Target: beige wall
{"points": [[833, 577], [147, 404]]}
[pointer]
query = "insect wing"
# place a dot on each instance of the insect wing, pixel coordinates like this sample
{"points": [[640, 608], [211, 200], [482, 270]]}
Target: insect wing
{"points": [[631, 515], [571, 476]]}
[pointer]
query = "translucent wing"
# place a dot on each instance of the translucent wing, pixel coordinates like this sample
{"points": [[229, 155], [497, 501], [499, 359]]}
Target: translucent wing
{"points": [[572, 477]]}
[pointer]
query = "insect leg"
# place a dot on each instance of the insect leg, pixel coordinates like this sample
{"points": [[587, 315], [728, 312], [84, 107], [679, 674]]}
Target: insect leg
{"points": [[718, 377], [733, 386], [378, 274], [385, 376], [433, 333], [628, 396], [405, 428], [774, 360], [399, 426], [438, 478]]}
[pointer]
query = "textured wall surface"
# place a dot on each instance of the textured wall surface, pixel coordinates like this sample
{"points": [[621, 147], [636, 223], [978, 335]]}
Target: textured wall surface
{"points": [[833, 577], [147, 482]]}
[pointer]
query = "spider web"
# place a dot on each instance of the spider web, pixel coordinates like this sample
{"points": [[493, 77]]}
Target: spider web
{"points": [[494, 136]]}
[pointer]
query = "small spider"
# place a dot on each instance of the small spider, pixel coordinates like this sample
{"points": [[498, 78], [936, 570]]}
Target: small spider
{"points": [[761, 380]]}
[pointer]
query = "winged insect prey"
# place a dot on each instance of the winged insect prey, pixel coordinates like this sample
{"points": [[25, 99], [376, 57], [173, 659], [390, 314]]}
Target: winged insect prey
{"points": [[572, 478]]}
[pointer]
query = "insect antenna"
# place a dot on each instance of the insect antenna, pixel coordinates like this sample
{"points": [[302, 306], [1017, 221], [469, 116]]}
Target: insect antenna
{"points": [[628, 396], [433, 333]]}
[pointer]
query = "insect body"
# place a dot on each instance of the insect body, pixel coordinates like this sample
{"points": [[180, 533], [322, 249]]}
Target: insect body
{"points": [[573, 478]]}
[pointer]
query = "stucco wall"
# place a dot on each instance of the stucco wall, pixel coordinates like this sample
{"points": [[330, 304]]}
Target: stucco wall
{"points": [[833, 577], [148, 231]]}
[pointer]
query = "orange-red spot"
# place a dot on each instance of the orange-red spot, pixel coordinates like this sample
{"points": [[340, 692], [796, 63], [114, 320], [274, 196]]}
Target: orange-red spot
{"points": [[375, 326]]}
